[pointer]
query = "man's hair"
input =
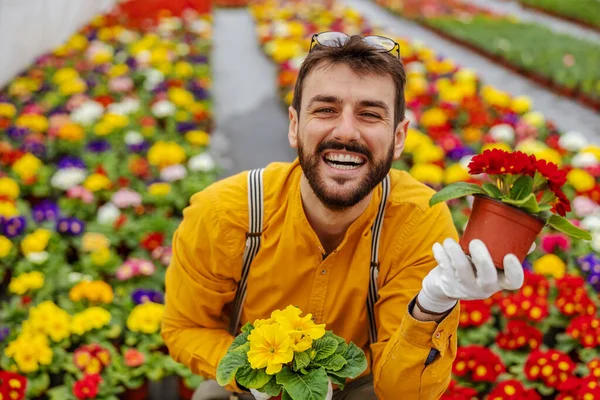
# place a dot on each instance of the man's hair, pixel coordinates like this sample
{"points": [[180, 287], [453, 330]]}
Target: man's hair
{"points": [[364, 60]]}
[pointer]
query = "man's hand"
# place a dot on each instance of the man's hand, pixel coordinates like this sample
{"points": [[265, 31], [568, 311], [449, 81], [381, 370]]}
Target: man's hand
{"points": [[456, 278], [263, 396]]}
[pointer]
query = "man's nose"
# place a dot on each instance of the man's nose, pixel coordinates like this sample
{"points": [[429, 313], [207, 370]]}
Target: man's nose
{"points": [[347, 128]]}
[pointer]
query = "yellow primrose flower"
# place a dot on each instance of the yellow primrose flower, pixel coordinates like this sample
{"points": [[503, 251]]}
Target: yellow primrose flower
{"points": [[73, 86], [8, 209], [414, 139], [27, 166], [97, 182], [102, 56], [159, 55], [7, 110], [71, 132], [282, 50], [301, 343], [77, 42], [434, 117], [270, 346], [100, 257], [92, 241], [427, 173], [455, 173], [118, 70], [89, 319], [5, 246], [534, 118], [495, 97], [146, 317], [581, 180], [182, 115], [9, 188], [36, 241], [428, 153], [180, 97], [290, 320], [595, 150], [549, 155], [29, 352], [550, 264], [163, 154], [94, 291], [103, 129], [471, 135], [416, 86], [452, 94], [183, 69], [196, 138], [25, 282], [49, 319], [64, 75], [115, 120], [34, 122], [497, 145], [520, 104], [159, 189]]}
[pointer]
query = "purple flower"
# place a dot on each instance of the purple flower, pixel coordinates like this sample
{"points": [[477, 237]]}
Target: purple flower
{"points": [[198, 59], [60, 109], [527, 265], [161, 87], [589, 263], [184, 127], [594, 280], [510, 118], [459, 152], [4, 332], [140, 296], [36, 148], [12, 227], [131, 62], [98, 146], [46, 210], [16, 133], [71, 226], [70, 162], [139, 147]]}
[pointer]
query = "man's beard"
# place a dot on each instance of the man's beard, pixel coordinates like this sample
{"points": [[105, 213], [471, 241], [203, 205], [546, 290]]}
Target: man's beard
{"points": [[340, 201]]}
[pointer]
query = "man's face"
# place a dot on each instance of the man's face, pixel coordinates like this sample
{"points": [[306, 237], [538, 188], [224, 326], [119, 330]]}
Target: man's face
{"points": [[345, 134]]}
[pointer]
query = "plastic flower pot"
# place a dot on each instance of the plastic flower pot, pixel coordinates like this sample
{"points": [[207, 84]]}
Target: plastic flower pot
{"points": [[503, 228], [140, 393]]}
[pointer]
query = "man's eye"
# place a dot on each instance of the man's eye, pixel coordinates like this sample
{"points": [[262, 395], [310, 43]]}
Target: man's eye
{"points": [[325, 110], [371, 115]]}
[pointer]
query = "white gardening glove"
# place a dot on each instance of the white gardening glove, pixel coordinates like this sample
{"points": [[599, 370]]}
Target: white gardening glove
{"points": [[263, 396], [455, 278]]}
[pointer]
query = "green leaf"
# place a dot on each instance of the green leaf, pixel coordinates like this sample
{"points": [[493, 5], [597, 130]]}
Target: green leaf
{"points": [[312, 386], [324, 347], [272, 388], [334, 363], [357, 363], [562, 224], [522, 188], [301, 360], [528, 204], [538, 181], [247, 327], [285, 395], [342, 348], [547, 197], [492, 190], [336, 380], [239, 340], [252, 378], [454, 191], [229, 366]]}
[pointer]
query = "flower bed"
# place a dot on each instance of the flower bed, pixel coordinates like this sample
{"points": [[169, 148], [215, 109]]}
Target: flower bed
{"points": [[102, 142], [567, 66], [583, 12], [540, 340]]}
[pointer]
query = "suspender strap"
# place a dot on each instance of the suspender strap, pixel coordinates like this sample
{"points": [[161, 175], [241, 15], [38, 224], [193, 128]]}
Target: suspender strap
{"points": [[255, 219], [372, 297]]}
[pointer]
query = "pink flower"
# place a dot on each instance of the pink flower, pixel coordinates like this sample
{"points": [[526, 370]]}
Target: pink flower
{"points": [[125, 271], [584, 206], [146, 267], [134, 358], [75, 101], [173, 173], [555, 241], [120, 84], [525, 131], [79, 192], [126, 198], [32, 109], [163, 253]]}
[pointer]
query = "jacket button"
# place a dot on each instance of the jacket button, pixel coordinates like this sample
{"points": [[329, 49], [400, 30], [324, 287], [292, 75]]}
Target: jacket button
{"points": [[437, 335], [323, 271]]}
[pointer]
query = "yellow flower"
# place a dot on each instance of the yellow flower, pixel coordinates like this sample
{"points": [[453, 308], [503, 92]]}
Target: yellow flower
{"points": [[497, 145], [428, 153], [73, 86], [71, 132], [414, 139], [36, 241], [270, 346], [92, 241], [416, 86], [7, 110], [49, 319], [100, 257], [159, 55], [549, 155], [27, 166], [495, 97], [29, 352], [534, 118], [34, 122], [184, 69], [97, 182], [159, 189], [520, 104], [455, 173], [64, 75], [89, 319], [118, 70], [471, 135], [550, 264], [163, 154], [25, 282], [115, 120], [433, 117], [197, 138], [77, 42], [581, 180], [180, 97], [146, 317], [5, 246], [8, 209], [290, 320], [94, 291], [427, 173], [9, 188], [595, 150]]}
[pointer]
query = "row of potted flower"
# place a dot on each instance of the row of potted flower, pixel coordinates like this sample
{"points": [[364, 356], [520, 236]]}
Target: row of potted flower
{"points": [[102, 142], [567, 66], [505, 342], [584, 12]]}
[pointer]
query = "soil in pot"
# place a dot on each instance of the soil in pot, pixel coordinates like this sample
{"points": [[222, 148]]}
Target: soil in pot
{"points": [[503, 228]]}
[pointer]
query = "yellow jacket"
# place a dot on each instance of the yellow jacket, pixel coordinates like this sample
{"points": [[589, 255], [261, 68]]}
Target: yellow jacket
{"points": [[289, 269]]}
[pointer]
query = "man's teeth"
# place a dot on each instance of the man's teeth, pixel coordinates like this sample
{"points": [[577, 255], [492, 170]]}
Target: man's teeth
{"points": [[342, 166], [344, 158]]}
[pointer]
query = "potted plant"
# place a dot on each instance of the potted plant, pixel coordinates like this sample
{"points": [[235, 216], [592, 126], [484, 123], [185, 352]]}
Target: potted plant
{"points": [[520, 195]]}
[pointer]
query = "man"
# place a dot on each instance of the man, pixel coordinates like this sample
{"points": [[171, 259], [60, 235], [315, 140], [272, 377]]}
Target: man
{"points": [[362, 253]]}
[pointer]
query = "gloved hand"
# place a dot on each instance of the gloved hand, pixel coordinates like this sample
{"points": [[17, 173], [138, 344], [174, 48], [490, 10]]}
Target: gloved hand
{"points": [[263, 396], [455, 278]]}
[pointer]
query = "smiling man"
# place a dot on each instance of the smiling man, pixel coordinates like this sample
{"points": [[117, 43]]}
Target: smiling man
{"points": [[337, 233]]}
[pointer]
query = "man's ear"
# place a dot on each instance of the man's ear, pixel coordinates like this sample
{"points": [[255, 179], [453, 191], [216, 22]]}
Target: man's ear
{"points": [[293, 128], [400, 136]]}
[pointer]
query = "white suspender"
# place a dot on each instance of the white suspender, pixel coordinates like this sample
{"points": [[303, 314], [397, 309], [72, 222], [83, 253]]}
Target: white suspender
{"points": [[256, 213], [255, 219]]}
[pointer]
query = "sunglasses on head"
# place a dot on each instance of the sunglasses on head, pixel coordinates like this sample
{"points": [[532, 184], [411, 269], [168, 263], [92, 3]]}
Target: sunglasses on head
{"points": [[336, 39]]}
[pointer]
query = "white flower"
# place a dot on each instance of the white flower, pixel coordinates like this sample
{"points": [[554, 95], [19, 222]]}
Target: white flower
{"points": [[169, 24], [143, 57], [87, 113], [281, 29], [572, 141], [182, 49], [74, 277], [125, 107], [120, 57], [296, 62], [133, 137], [583, 160], [503, 133], [200, 26], [595, 241], [153, 78], [201, 162], [107, 214], [584, 206], [591, 223], [67, 178], [173, 173], [163, 108], [38, 258], [417, 67], [409, 115], [127, 36]]}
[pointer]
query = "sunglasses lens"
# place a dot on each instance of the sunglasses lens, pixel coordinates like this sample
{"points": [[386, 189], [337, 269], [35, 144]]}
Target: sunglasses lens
{"points": [[381, 42], [332, 39]]}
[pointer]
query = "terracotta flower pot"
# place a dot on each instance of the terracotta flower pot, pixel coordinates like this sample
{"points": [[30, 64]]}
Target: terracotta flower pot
{"points": [[185, 393], [141, 393], [503, 228]]}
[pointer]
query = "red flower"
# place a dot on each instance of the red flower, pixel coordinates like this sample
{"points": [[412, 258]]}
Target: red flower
{"points": [[519, 334], [512, 389], [535, 285], [105, 100], [551, 367], [474, 313], [87, 387], [520, 306], [12, 385], [152, 240], [572, 305], [457, 392], [586, 329], [556, 177], [489, 162], [478, 363]]}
